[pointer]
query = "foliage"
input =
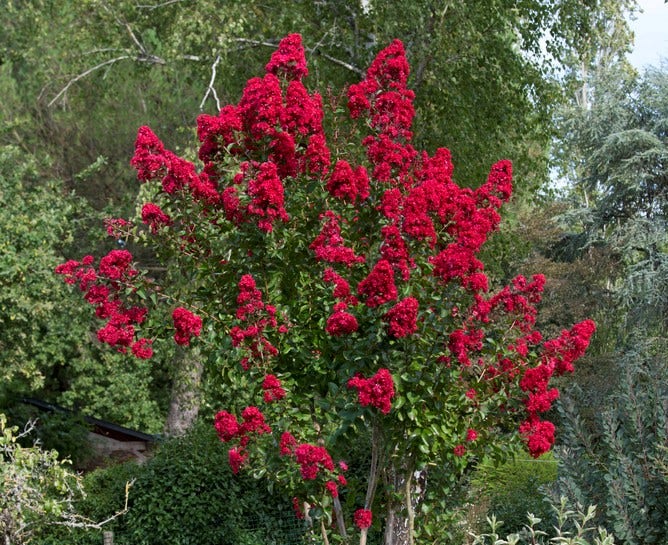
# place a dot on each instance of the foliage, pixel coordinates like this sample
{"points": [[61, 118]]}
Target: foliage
{"points": [[185, 492], [38, 490], [420, 359], [618, 461], [488, 93], [67, 434], [615, 145], [514, 488], [619, 144], [42, 349], [34, 223], [573, 528]]}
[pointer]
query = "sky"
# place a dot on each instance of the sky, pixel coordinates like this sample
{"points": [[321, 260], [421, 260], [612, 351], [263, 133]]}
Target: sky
{"points": [[651, 34]]}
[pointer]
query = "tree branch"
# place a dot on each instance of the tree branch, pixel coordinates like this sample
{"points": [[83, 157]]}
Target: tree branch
{"points": [[334, 60], [86, 73], [157, 6], [78, 521], [210, 88]]}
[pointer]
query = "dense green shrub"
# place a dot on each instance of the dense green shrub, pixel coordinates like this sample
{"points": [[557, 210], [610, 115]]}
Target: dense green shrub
{"points": [[186, 494], [514, 488], [618, 462]]}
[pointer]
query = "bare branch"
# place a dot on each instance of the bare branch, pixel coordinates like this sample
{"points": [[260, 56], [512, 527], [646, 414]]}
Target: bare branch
{"points": [[78, 521], [86, 73], [255, 42], [158, 6], [211, 89], [345, 64]]}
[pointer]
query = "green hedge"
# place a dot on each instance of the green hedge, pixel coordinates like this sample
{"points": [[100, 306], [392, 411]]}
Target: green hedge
{"points": [[186, 494]]}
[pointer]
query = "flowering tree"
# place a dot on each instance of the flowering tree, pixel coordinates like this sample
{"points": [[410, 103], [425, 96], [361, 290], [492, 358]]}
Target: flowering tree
{"points": [[340, 274]]}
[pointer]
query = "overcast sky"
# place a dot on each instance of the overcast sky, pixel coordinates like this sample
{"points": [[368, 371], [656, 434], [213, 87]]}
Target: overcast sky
{"points": [[651, 34]]}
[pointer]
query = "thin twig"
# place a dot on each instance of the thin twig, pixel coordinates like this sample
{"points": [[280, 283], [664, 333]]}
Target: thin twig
{"points": [[345, 64], [211, 89], [158, 6], [78, 521], [86, 73]]}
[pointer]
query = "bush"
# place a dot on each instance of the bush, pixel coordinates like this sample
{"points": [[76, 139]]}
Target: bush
{"points": [[514, 488], [618, 461], [571, 528], [186, 494]]}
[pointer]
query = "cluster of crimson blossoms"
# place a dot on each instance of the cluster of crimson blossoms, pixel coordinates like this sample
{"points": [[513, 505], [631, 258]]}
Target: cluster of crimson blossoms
{"points": [[389, 249]]}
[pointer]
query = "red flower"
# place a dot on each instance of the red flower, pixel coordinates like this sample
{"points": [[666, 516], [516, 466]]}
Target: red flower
{"points": [[287, 444], [341, 322], [332, 488], [402, 318], [329, 245], [186, 326], [362, 518], [348, 184], [154, 217], [376, 391], [538, 434], [116, 264], [471, 435], [459, 450], [227, 426], [253, 421], [236, 457], [142, 349], [378, 286], [273, 391], [297, 507], [288, 60], [267, 201], [312, 459]]}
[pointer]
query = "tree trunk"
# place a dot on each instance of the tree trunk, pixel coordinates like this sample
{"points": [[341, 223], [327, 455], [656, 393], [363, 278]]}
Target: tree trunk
{"points": [[409, 485], [185, 398]]}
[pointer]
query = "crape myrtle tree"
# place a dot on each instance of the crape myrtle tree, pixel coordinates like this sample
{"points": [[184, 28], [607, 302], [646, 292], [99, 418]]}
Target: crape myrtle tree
{"points": [[335, 282]]}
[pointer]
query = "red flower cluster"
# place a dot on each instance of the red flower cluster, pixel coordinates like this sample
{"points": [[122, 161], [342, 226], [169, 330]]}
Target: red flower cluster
{"points": [[557, 358], [154, 217], [273, 391], [394, 250], [312, 459], [362, 518], [348, 184], [276, 120], [376, 391], [402, 318], [539, 435], [378, 287], [459, 450], [341, 287], [186, 326], [117, 228], [229, 428], [103, 288], [329, 246], [341, 322], [257, 316], [153, 162], [288, 61], [287, 444]]}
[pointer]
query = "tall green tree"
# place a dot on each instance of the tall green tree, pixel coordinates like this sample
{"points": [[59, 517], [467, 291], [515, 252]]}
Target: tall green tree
{"points": [[615, 449]]}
